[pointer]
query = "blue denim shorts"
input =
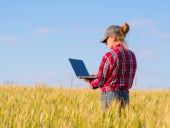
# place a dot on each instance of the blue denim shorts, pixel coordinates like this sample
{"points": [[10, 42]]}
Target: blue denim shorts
{"points": [[108, 97]]}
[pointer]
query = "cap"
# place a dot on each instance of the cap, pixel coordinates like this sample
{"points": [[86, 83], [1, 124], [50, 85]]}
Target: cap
{"points": [[111, 30]]}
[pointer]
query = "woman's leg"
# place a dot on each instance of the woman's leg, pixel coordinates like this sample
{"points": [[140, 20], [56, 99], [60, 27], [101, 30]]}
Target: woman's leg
{"points": [[124, 99], [108, 97]]}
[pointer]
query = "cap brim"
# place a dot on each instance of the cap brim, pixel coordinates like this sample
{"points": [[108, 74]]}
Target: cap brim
{"points": [[103, 40]]}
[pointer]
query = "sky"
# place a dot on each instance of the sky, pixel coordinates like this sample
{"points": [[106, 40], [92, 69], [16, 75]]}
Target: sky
{"points": [[37, 37]]}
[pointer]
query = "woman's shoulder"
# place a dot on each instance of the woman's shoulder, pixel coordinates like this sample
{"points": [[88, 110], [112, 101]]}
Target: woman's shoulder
{"points": [[110, 54]]}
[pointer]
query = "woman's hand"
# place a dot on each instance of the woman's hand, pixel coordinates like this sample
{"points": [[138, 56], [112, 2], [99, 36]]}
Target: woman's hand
{"points": [[93, 75], [86, 80]]}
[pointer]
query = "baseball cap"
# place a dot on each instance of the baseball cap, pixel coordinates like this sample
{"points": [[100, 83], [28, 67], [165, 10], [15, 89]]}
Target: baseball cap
{"points": [[111, 30]]}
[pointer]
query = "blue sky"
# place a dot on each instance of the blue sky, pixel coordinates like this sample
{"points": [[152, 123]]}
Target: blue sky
{"points": [[38, 37]]}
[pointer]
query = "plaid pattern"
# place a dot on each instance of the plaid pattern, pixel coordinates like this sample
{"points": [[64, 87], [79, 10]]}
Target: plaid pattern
{"points": [[116, 71]]}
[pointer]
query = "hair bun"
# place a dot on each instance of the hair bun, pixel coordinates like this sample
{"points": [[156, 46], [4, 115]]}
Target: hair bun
{"points": [[125, 28]]}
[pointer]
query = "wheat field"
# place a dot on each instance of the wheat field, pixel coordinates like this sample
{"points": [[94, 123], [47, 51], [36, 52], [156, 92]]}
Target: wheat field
{"points": [[42, 106]]}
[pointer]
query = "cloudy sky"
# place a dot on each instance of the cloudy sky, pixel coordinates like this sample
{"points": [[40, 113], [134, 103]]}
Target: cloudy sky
{"points": [[38, 37]]}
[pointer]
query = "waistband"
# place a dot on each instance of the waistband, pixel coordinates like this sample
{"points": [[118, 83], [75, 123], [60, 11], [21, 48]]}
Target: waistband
{"points": [[112, 88]]}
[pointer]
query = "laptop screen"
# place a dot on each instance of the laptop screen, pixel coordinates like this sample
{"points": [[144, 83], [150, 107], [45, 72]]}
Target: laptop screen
{"points": [[79, 67]]}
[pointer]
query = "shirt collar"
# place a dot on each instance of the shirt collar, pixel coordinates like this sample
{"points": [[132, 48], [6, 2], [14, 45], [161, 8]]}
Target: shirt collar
{"points": [[117, 45]]}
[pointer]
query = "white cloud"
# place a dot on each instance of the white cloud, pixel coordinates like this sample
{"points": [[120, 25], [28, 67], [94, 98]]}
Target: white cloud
{"points": [[159, 34], [86, 30], [142, 22], [148, 54], [70, 29], [9, 38], [12, 39], [150, 28], [46, 30]]}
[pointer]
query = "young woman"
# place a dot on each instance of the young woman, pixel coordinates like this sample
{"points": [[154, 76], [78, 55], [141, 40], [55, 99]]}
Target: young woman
{"points": [[117, 69]]}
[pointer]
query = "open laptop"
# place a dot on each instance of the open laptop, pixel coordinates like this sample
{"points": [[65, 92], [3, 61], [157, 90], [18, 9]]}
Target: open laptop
{"points": [[80, 69]]}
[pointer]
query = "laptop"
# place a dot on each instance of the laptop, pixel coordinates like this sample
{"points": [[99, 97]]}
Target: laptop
{"points": [[80, 69]]}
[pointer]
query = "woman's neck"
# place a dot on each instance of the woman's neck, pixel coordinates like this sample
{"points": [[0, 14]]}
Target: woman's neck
{"points": [[117, 43]]}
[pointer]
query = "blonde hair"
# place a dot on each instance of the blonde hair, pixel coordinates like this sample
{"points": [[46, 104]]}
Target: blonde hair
{"points": [[124, 29]]}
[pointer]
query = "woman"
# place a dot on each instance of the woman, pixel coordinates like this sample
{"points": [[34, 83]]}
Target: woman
{"points": [[117, 69]]}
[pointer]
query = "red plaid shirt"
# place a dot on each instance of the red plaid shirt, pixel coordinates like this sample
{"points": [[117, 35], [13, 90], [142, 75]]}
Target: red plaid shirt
{"points": [[116, 71]]}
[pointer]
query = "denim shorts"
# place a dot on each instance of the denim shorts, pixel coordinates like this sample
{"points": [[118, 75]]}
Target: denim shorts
{"points": [[108, 97]]}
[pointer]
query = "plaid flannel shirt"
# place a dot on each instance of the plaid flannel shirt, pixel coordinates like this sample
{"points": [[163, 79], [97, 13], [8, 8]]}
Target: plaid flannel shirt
{"points": [[116, 71]]}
